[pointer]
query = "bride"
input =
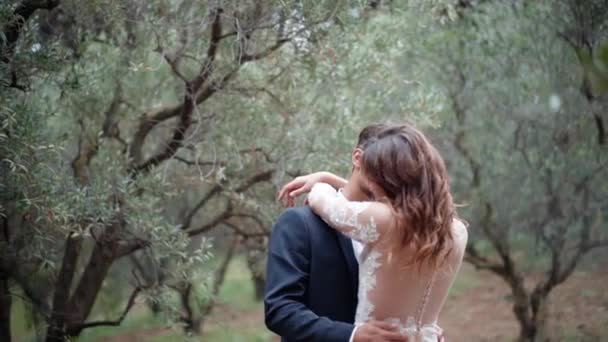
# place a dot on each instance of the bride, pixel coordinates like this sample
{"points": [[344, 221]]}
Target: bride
{"points": [[413, 241]]}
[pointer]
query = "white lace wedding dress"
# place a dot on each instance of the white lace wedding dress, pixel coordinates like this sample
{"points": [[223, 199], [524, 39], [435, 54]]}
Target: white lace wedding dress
{"points": [[387, 291]]}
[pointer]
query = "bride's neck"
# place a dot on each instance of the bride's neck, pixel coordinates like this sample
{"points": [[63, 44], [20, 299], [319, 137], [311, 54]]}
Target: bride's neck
{"points": [[351, 192]]}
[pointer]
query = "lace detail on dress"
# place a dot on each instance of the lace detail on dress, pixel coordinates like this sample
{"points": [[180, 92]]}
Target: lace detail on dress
{"points": [[427, 332], [348, 216], [342, 214], [367, 282]]}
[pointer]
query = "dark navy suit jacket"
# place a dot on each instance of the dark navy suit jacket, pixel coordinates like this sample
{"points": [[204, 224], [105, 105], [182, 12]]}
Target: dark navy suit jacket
{"points": [[312, 280]]}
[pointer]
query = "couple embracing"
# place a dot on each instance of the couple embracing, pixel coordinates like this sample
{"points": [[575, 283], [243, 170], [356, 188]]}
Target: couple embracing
{"points": [[371, 258]]}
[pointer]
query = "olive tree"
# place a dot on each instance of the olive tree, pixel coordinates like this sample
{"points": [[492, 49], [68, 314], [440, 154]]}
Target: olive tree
{"points": [[524, 135], [115, 113]]}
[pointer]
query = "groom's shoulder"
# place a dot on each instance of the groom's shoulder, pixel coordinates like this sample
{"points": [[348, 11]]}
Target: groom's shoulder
{"points": [[302, 217], [301, 214], [299, 223]]}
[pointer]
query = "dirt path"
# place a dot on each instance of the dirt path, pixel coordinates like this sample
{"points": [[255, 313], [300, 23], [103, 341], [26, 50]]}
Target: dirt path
{"points": [[579, 307]]}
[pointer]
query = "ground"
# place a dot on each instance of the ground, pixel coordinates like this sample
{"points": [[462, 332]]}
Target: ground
{"points": [[482, 311], [478, 309]]}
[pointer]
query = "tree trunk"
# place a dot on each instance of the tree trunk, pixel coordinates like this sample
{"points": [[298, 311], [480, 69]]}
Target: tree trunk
{"points": [[192, 327], [192, 324], [88, 287], [539, 318], [151, 274], [534, 329], [521, 306], [527, 333], [541, 323], [220, 275], [56, 330], [72, 311], [259, 284], [255, 260], [5, 309]]}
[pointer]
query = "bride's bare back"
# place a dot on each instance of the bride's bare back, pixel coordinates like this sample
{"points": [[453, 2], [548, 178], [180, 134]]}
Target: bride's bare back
{"points": [[389, 289]]}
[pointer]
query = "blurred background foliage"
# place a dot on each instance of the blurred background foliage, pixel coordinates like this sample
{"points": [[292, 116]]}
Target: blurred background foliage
{"points": [[142, 144]]}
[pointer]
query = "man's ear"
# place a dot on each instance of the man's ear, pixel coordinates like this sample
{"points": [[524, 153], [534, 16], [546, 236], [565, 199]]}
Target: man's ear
{"points": [[357, 157]]}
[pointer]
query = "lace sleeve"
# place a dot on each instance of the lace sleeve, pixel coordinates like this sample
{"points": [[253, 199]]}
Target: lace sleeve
{"points": [[361, 221]]}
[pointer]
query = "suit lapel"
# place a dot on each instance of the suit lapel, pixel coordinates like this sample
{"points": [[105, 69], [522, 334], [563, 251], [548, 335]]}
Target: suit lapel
{"points": [[347, 249]]}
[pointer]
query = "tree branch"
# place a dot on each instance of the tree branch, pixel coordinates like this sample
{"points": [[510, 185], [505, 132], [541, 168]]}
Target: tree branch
{"points": [[595, 244], [214, 222], [216, 33], [88, 147], [147, 124], [12, 30], [151, 119], [116, 322], [238, 231], [177, 139], [601, 129], [480, 262], [191, 99], [257, 178], [125, 247], [216, 189], [200, 162], [174, 58], [263, 54], [254, 150], [256, 219], [110, 127]]}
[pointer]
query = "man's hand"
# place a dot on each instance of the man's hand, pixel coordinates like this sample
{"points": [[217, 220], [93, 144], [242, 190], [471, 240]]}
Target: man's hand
{"points": [[375, 331]]}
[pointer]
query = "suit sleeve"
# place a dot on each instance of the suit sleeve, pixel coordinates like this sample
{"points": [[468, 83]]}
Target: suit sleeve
{"points": [[288, 271]]}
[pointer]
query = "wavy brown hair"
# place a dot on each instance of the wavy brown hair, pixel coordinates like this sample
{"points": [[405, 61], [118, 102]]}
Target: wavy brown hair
{"points": [[402, 161]]}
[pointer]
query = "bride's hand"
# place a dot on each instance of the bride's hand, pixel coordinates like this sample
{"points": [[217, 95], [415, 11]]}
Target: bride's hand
{"points": [[300, 185]]}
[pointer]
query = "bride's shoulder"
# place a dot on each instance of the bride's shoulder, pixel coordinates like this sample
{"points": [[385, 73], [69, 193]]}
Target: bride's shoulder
{"points": [[460, 234]]}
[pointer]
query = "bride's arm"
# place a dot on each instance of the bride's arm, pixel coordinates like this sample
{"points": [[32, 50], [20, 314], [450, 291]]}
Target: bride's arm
{"points": [[302, 184], [362, 221], [335, 181]]}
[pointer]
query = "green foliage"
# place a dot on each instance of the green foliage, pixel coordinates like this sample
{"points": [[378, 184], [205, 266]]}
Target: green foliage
{"points": [[496, 83]]}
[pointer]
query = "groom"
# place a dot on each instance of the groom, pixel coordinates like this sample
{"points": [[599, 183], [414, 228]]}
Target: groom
{"points": [[312, 276]]}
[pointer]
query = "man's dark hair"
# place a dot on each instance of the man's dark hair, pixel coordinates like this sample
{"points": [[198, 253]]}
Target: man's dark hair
{"points": [[370, 131]]}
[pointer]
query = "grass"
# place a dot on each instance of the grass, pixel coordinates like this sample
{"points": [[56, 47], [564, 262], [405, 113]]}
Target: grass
{"points": [[237, 290], [136, 320], [254, 335], [236, 295], [19, 320]]}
